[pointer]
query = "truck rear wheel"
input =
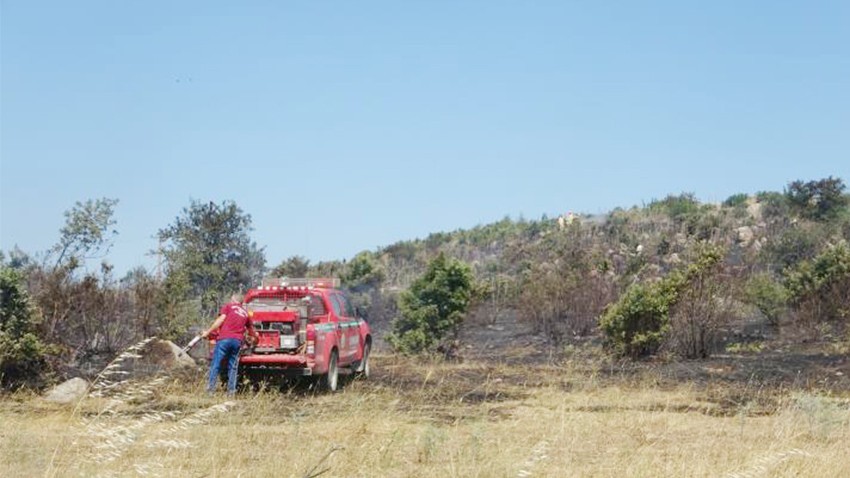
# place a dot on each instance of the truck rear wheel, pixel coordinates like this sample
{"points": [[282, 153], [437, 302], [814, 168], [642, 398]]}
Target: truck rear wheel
{"points": [[363, 369], [330, 381]]}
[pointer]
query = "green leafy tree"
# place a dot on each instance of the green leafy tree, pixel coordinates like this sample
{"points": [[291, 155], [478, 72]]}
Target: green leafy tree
{"points": [[294, 266], [208, 253], [433, 306], [818, 200], [87, 232], [22, 354], [363, 271]]}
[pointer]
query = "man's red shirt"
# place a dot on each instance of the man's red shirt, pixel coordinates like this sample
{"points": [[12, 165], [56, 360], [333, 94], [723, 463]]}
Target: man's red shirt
{"points": [[235, 323]]}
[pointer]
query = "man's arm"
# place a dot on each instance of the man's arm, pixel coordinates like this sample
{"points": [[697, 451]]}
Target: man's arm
{"points": [[214, 326]]}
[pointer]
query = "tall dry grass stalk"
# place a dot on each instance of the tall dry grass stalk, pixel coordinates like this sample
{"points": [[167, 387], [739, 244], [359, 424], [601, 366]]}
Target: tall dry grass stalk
{"points": [[435, 419], [765, 463], [108, 380], [109, 433]]}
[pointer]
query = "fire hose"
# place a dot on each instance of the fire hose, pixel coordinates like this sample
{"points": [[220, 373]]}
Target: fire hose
{"points": [[191, 344], [248, 346]]}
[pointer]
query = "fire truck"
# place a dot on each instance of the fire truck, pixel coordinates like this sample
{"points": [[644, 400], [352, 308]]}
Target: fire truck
{"points": [[307, 327]]}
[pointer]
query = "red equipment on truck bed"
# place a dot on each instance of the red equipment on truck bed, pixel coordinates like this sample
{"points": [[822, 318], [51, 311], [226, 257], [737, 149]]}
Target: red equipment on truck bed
{"points": [[307, 327]]}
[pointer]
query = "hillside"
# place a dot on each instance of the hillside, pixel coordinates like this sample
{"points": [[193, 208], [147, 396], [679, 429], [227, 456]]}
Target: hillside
{"points": [[553, 278], [750, 375], [778, 283]]}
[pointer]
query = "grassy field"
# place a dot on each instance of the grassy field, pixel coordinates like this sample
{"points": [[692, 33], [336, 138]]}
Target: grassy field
{"points": [[434, 419]]}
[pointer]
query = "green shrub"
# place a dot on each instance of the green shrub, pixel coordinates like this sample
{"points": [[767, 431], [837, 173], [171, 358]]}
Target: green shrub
{"points": [[678, 207], [792, 245], [768, 296], [774, 205], [701, 305], [638, 323], [817, 200], [818, 288], [433, 306], [22, 354], [736, 200]]}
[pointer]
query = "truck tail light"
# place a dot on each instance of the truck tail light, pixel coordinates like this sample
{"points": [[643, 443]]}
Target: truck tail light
{"points": [[311, 339]]}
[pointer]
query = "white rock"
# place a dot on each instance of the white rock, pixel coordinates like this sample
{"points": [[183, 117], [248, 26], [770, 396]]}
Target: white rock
{"points": [[745, 235], [69, 391]]}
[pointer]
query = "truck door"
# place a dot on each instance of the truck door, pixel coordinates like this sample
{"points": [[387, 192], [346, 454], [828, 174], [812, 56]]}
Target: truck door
{"points": [[350, 340]]}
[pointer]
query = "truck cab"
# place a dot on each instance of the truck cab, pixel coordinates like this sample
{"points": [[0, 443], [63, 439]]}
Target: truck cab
{"points": [[306, 327]]}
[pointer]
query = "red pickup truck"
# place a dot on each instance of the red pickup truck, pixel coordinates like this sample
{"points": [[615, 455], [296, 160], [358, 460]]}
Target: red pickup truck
{"points": [[307, 327]]}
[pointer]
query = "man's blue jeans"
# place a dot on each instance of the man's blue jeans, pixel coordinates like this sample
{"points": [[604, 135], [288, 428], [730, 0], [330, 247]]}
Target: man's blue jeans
{"points": [[225, 349]]}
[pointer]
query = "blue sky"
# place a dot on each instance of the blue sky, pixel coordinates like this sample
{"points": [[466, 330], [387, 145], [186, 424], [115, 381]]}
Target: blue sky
{"points": [[342, 126]]}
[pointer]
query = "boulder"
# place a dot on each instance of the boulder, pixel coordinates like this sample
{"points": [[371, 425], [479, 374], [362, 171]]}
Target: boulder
{"points": [[754, 209], [166, 355], [745, 235], [157, 357], [69, 391]]}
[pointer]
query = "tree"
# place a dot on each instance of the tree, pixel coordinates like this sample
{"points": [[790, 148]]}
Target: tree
{"points": [[294, 266], [86, 233], [22, 354], [143, 289], [209, 251], [433, 306], [818, 200], [363, 271]]}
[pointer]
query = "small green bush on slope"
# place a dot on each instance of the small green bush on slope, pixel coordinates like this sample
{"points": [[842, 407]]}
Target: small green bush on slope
{"points": [[638, 323]]}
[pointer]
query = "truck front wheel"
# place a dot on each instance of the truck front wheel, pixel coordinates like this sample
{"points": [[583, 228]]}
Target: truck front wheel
{"points": [[330, 381]]}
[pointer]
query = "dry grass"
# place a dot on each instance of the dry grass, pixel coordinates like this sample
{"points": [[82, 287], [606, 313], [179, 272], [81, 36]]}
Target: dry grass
{"points": [[437, 419]]}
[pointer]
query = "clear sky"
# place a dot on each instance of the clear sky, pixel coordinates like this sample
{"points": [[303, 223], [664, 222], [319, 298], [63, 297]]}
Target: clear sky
{"points": [[348, 125]]}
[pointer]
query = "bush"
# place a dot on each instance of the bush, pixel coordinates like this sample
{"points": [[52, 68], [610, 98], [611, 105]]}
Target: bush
{"points": [[768, 296], [736, 200], [679, 208], [819, 289], [639, 322], [774, 205], [788, 247], [817, 200], [636, 324], [701, 307], [433, 306], [22, 354]]}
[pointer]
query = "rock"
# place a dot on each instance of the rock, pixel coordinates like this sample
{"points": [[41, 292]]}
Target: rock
{"points": [[745, 235], [158, 356], [754, 209], [69, 391], [167, 355]]}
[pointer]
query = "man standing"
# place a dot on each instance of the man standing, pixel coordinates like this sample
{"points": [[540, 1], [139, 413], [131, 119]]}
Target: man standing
{"points": [[232, 323]]}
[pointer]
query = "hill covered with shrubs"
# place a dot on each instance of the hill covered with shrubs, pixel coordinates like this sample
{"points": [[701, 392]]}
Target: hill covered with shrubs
{"points": [[675, 276]]}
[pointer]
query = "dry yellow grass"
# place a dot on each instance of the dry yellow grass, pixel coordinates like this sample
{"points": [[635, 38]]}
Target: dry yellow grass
{"points": [[437, 420]]}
